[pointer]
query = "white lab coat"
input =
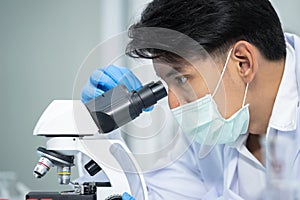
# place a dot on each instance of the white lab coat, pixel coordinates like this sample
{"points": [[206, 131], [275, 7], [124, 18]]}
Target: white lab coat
{"points": [[231, 171]]}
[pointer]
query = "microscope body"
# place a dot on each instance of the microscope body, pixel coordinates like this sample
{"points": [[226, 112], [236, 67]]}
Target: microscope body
{"points": [[108, 156], [74, 129]]}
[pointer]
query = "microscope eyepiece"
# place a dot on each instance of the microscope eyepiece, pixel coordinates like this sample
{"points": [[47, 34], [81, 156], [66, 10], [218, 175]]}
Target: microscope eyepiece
{"points": [[150, 94], [119, 106]]}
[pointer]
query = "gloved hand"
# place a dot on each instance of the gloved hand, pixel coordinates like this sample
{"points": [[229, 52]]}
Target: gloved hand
{"points": [[127, 196], [104, 79]]}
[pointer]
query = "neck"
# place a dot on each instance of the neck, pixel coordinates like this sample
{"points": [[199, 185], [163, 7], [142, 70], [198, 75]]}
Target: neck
{"points": [[262, 94], [254, 146]]}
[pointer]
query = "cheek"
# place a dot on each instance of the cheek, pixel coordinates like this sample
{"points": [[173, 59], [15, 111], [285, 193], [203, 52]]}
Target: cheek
{"points": [[179, 97], [191, 92], [173, 100], [198, 89]]}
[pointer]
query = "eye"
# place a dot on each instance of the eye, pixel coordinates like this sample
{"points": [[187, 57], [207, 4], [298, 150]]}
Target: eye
{"points": [[181, 80]]}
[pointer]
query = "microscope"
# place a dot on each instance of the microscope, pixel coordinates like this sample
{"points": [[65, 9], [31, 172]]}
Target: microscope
{"points": [[74, 129]]}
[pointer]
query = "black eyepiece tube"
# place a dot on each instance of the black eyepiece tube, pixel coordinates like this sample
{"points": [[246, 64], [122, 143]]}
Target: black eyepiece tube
{"points": [[119, 106], [151, 93], [158, 90]]}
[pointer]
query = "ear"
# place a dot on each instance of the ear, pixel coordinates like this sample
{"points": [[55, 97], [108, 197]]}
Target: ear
{"points": [[243, 54]]}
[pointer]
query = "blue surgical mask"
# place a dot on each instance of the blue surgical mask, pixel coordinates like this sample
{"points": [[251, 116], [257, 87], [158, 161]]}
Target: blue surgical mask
{"points": [[202, 121]]}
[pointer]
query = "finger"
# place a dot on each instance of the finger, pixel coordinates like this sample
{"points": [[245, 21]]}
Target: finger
{"points": [[148, 109], [123, 75], [127, 196], [114, 72], [102, 81], [89, 92], [132, 81]]}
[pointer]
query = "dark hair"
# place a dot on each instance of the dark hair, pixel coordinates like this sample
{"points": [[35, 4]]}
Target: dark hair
{"points": [[214, 24]]}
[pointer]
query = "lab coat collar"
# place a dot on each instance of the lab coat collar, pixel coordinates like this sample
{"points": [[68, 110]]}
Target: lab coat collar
{"points": [[284, 113], [239, 142], [240, 145]]}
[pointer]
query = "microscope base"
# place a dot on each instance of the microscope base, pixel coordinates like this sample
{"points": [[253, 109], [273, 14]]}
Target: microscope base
{"points": [[59, 196]]}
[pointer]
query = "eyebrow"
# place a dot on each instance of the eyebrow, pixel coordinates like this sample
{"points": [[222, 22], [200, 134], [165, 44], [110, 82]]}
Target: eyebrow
{"points": [[175, 70]]}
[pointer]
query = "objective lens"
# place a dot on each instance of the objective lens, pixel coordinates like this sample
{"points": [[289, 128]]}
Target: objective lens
{"points": [[64, 173], [42, 167]]}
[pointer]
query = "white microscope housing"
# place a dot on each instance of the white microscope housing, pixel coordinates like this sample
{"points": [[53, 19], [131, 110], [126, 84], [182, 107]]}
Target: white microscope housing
{"points": [[72, 132]]}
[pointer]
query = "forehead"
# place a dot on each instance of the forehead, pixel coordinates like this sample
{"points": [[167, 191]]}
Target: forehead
{"points": [[201, 67], [201, 71]]}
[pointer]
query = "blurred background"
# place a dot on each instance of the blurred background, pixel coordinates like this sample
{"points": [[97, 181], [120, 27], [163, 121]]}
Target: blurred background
{"points": [[42, 45]]}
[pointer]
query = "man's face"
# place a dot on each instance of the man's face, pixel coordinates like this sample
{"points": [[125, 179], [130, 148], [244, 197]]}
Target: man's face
{"points": [[187, 81]]}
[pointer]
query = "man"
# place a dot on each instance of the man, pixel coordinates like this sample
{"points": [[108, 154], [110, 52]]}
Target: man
{"points": [[258, 71]]}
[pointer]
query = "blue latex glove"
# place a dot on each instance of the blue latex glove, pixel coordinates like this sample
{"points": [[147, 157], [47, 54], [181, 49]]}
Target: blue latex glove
{"points": [[127, 196], [104, 79]]}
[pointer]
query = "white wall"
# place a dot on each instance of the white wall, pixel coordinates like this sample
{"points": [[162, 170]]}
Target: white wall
{"points": [[42, 44], [289, 14]]}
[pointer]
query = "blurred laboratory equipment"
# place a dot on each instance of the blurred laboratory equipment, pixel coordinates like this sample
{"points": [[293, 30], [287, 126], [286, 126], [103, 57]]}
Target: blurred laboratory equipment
{"points": [[10, 187], [280, 176]]}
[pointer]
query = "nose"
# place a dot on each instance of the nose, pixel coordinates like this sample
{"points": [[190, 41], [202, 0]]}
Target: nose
{"points": [[172, 99]]}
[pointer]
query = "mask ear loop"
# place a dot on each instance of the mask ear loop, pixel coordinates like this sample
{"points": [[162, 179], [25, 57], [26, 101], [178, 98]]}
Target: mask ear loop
{"points": [[222, 73], [246, 90], [206, 149]]}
